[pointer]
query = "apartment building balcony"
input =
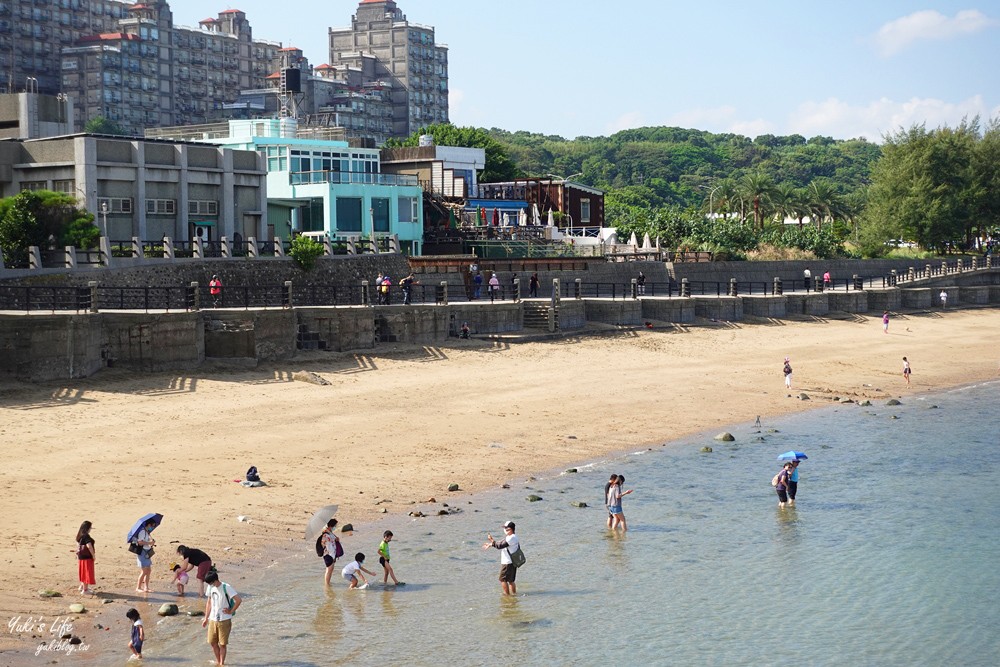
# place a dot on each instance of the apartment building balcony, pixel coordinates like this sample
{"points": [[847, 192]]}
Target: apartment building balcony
{"points": [[351, 177]]}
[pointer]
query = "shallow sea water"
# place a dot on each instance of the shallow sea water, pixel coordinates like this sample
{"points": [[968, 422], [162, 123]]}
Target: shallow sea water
{"points": [[890, 558]]}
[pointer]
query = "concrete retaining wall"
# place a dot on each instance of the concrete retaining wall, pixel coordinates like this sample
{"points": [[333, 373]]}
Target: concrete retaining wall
{"points": [[621, 313], [814, 304], [727, 308], [50, 347], [678, 311], [765, 306], [572, 314], [848, 302], [484, 318], [153, 342], [976, 295], [917, 298], [883, 299]]}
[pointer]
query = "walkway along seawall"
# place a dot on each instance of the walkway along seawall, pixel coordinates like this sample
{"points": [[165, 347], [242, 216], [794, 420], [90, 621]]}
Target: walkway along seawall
{"points": [[53, 346]]}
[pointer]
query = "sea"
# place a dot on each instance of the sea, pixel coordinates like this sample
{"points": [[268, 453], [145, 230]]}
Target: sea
{"points": [[890, 557]]}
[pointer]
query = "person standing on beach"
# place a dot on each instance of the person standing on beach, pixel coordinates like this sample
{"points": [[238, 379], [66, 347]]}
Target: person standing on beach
{"points": [[944, 299], [885, 321], [508, 545], [85, 554], [221, 602], [793, 482], [906, 371], [138, 634], [383, 559], [607, 487], [144, 559], [195, 558], [787, 370]]}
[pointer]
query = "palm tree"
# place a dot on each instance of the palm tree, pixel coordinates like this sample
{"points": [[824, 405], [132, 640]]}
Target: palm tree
{"points": [[757, 189], [727, 199], [787, 203], [824, 202]]}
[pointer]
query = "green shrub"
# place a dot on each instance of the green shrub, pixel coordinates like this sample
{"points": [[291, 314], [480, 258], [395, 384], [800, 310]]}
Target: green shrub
{"points": [[305, 251]]}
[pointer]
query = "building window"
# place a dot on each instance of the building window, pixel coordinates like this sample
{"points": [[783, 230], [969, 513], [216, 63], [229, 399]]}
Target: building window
{"points": [[408, 209], [348, 214], [32, 186], [67, 186], [160, 206], [115, 204], [203, 207], [380, 214], [584, 211]]}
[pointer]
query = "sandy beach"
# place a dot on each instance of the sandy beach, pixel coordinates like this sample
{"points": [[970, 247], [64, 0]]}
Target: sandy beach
{"points": [[399, 424]]}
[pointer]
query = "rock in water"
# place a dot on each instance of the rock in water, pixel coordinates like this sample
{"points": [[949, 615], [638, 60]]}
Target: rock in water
{"points": [[725, 437], [579, 503], [348, 528], [533, 498], [892, 401], [196, 612], [77, 608], [706, 450], [168, 609], [570, 471], [453, 487], [804, 397], [311, 378]]}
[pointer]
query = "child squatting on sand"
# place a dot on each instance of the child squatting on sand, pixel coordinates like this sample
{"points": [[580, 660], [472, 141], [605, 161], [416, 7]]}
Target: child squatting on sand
{"points": [[354, 569]]}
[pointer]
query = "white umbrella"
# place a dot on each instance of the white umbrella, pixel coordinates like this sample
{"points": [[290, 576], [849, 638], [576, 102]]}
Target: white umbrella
{"points": [[522, 217], [318, 521], [552, 219], [535, 218], [506, 219]]}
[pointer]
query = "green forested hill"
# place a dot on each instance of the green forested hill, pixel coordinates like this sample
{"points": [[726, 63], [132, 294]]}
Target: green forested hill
{"points": [[667, 164]]}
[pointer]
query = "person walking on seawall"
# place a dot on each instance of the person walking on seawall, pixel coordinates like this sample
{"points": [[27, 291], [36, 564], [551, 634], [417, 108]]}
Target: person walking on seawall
{"points": [[384, 290], [906, 371], [640, 284], [827, 280], [944, 299], [515, 287], [885, 321], [85, 554], [508, 545], [378, 288], [793, 482], [477, 280], [407, 284], [781, 485], [215, 290], [195, 558], [494, 287], [787, 370], [221, 602], [807, 277], [533, 286]]}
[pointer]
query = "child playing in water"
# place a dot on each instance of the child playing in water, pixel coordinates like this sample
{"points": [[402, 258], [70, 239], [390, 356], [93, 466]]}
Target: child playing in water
{"points": [[138, 634], [354, 570], [180, 578], [383, 559]]}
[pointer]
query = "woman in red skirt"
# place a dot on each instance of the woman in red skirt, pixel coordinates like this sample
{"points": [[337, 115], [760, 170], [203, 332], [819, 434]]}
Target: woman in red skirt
{"points": [[85, 553]]}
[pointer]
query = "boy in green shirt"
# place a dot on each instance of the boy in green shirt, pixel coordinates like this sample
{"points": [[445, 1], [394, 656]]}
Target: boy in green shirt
{"points": [[383, 559]]}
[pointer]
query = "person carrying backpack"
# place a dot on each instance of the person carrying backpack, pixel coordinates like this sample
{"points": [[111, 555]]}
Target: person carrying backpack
{"points": [[328, 546]]}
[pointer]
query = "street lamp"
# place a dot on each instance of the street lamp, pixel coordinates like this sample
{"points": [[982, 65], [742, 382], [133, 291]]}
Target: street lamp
{"points": [[104, 217], [711, 194]]}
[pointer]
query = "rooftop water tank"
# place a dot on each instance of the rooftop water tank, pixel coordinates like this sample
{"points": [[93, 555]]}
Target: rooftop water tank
{"points": [[426, 140]]}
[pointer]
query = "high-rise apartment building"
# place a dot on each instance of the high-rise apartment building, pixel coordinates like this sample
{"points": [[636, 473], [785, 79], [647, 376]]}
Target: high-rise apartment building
{"points": [[407, 56]]}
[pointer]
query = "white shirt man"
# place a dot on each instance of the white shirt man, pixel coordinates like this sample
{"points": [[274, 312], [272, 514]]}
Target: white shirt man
{"points": [[508, 545]]}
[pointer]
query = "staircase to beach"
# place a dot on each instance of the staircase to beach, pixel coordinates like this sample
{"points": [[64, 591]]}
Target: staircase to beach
{"points": [[536, 315]]}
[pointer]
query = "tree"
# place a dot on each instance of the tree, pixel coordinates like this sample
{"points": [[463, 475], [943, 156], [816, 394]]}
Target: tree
{"points": [[101, 125], [823, 202], [305, 251], [44, 219], [757, 189], [499, 166]]}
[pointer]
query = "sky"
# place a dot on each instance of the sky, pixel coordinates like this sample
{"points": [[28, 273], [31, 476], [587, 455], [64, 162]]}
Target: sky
{"points": [[854, 68]]}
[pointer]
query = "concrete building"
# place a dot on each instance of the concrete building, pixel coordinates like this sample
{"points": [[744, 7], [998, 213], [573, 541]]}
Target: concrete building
{"points": [[582, 205], [326, 187], [144, 188], [444, 171], [406, 56], [31, 116]]}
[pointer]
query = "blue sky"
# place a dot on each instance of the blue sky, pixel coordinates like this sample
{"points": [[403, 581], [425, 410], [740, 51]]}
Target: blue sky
{"points": [[845, 69]]}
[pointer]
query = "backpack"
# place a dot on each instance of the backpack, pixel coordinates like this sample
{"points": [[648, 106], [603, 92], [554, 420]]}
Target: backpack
{"points": [[252, 475], [774, 480], [338, 550], [320, 549]]}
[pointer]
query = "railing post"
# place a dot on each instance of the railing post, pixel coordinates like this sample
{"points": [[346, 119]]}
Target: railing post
{"points": [[192, 297], [252, 250], [227, 247], [515, 288], [443, 293], [989, 262], [944, 268], [92, 285], [352, 246], [685, 288], [286, 301], [394, 245], [859, 283], [975, 264], [778, 289], [279, 247], [959, 266], [137, 248], [327, 248], [70, 257], [198, 248], [928, 271], [556, 295], [365, 298], [634, 288], [817, 283], [733, 287], [911, 274], [168, 248], [34, 257], [105, 251], [578, 288], [893, 278]]}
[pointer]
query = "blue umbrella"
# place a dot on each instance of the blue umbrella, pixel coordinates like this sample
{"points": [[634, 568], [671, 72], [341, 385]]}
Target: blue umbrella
{"points": [[141, 523], [792, 456]]}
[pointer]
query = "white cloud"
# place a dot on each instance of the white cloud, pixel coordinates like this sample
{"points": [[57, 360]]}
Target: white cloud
{"points": [[626, 121], [836, 118], [896, 35]]}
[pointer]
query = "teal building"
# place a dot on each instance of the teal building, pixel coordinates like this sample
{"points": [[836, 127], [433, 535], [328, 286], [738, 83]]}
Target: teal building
{"points": [[317, 186]]}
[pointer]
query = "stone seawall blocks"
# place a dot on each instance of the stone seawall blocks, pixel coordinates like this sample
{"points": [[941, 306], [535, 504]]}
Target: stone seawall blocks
{"points": [[572, 314], [340, 329], [154, 342], [484, 319], [917, 298], [764, 306], [50, 347], [848, 302], [678, 311], [883, 299], [622, 313], [807, 304], [726, 308], [975, 295]]}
